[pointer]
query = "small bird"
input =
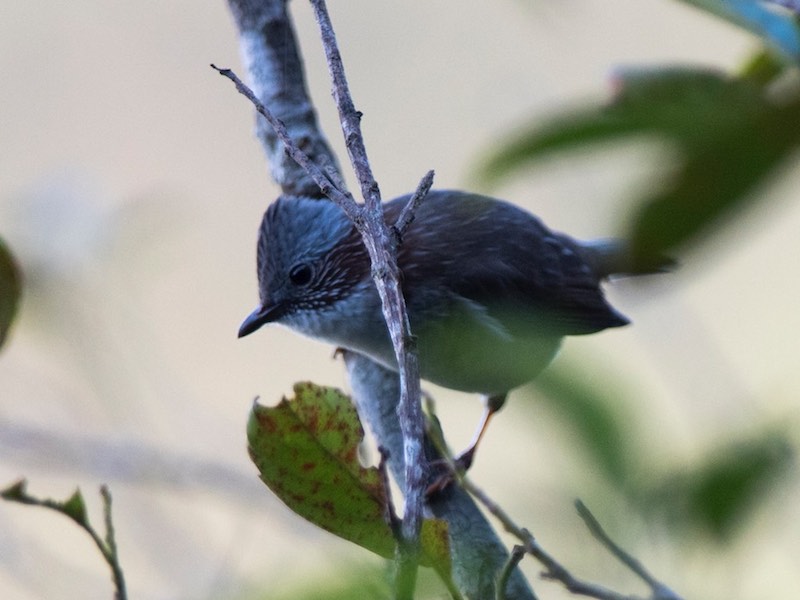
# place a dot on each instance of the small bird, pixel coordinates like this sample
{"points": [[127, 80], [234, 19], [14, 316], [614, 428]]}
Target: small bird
{"points": [[491, 291]]}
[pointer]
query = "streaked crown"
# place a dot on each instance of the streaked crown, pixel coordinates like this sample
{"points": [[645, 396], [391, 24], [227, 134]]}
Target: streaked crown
{"points": [[309, 254]]}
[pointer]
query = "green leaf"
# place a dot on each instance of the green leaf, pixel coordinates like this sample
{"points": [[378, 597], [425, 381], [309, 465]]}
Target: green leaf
{"points": [[720, 495], [719, 170], [728, 137], [75, 508], [762, 68], [16, 491], [306, 450], [10, 289], [676, 104]]}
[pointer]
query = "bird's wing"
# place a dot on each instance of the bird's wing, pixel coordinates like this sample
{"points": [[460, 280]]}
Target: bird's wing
{"points": [[493, 253]]}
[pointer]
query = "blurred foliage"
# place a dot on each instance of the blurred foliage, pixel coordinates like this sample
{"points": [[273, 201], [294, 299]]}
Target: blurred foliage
{"points": [[10, 290], [716, 496], [306, 450], [594, 416], [719, 495], [728, 134], [355, 581]]}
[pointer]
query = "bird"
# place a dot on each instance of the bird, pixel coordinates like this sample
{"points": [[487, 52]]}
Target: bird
{"points": [[491, 292]]}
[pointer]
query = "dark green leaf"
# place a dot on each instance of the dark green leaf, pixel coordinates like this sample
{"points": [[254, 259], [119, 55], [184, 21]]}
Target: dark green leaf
{"points": [[16, 491], [715, 181], [728, 138], [10, 289], [675, 104], [721, 494], [75, 508]]}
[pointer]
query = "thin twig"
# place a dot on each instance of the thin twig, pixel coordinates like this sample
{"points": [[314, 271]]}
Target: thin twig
{"points": [[409, 210], [328, 187], [75, 509], [660, 591], [517, 554], [349, 117], [111, 545], [554, 570], [381, 247]]}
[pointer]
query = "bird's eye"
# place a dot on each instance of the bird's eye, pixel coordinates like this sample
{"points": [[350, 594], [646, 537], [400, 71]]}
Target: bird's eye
{"points": [[300, 275]]}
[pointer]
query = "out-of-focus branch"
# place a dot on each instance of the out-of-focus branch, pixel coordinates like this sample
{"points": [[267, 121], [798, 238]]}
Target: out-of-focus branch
{"points": [[276, 75], [478, 555], [273, 62], [660, 591]]}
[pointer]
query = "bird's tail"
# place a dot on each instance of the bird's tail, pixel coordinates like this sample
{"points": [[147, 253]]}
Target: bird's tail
{"points": [[611, 257]]}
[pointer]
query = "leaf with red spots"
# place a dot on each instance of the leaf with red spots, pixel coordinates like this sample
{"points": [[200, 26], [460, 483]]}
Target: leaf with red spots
{"points": [[306, 450]]}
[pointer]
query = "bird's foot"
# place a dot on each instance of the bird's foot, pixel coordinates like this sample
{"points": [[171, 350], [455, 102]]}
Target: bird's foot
{"points": [[445, 472]]}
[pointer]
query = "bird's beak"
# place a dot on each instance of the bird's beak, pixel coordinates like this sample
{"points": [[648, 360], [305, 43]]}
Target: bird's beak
{"points": [[260, 316]]}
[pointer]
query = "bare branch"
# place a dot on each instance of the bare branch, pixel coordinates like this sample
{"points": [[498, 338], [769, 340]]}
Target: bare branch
{"points": [[555, 570], [380, 245], [660, 591], [349, 117], [370, 222], [517, 554], [341, 197], [407, 215]]}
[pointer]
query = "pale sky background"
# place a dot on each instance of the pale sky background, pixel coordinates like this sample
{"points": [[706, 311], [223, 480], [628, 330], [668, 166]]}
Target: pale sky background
{"points": [[131, 188]]}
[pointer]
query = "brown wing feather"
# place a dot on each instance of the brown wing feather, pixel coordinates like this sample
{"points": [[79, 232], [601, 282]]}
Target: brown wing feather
{"points": [[527, 276]]}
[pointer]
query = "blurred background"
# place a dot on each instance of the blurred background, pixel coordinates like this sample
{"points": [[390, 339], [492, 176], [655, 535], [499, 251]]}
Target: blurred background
{"points": [[131, 189]]}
